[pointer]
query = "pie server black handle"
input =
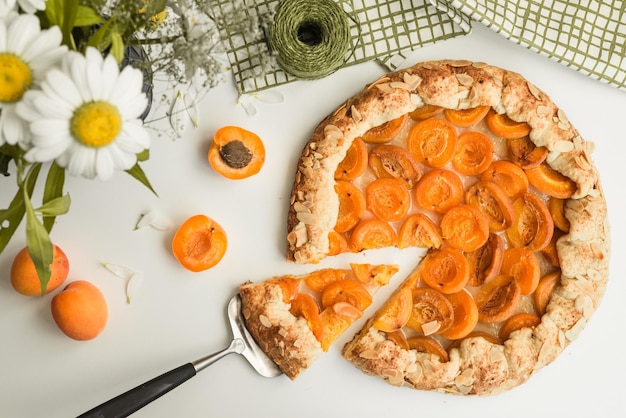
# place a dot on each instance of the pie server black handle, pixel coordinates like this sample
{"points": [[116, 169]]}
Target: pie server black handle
{"points": [[128, 402]]}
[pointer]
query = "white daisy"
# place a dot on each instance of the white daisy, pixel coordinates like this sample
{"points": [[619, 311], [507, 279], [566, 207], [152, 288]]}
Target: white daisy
{"points": [[26, 54], [86, 116], [30, 6]]}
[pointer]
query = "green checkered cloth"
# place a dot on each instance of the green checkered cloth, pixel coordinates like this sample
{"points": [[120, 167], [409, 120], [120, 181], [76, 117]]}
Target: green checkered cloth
{"points": [[587, 35]]}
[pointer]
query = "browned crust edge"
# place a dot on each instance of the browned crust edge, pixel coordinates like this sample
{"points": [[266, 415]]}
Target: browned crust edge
{"points": [[477, 366]]}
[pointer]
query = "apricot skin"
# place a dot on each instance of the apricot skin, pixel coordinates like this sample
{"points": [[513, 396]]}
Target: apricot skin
{"points": [[80, 310], [24, 277]]}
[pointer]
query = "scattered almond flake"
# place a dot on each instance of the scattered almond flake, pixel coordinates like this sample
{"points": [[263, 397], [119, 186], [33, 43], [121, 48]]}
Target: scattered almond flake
{"points": [[356, 115], [563, 146], [572, 333], [399, 85], [385, 87], [460, 63], [594, 275], [584, 304], [534, 91], [282, 332], [543, 111], [332, 132], [496, 355], [265, 321], [412, 80], [306, 218], [416, 99], [563, 126], [562, 116], [429, 366], [297, 343], [561, 339], [369, 354], [430, 327], [479, 64], [464, 79], [301, 237], [132, 285], [300, 207], [465, 389], [155, 220]]}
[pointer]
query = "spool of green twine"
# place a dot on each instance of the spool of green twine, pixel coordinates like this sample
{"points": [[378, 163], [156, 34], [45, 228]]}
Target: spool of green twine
{"points": [[310, 37]]}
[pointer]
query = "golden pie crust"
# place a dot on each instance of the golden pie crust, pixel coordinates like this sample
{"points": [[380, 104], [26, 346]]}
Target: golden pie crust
{"points": [[476, 366]]}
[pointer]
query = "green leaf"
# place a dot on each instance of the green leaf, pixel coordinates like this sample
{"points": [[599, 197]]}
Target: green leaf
{"points": [[15, 212], [54, 208], [117, 46], [102, 38], [86, 16], [137, 172], [53, 190], [39, 246], [63, 14], [4, 164]]}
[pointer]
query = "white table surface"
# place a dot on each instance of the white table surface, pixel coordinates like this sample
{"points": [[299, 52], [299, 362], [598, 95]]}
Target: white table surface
{"points": [[178, 316]]}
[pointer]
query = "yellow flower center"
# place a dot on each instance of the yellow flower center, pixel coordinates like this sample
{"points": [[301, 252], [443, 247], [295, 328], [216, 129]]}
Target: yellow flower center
{"points": [[15, 77], [96, 124]]}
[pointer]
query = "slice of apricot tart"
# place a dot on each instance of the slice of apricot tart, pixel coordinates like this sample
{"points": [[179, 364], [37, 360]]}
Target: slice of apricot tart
{"points": [[480, 168]]}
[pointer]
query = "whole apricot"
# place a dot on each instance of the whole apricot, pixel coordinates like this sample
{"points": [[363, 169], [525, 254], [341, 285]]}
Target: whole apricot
{"points": [[80, 310], [24, 276]]}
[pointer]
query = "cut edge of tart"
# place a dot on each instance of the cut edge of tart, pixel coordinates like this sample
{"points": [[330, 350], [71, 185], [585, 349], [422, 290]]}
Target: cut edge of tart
{"points": [[476, 365], [295, 318]]}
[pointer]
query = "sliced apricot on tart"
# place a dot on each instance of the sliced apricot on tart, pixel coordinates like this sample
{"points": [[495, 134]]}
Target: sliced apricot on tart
{"points": [[445, 269], [351, 206], [372, 233], [354, 163], [517, 322], [524, 266], [473, 153], [551, 182], [510, 177], [485, 262], [392, 161], [428, 345], [466, 117], [464, 227], [373, 274], [439, 190], [418, 230], [505, 127], [498, 299], [544, 290], [465, 315], [320, 279], [532, 225], [491, 199], [431, 312], [432, 141], [426, 111], [396, 312], [388, 199], [349, 291], [524, 152], [385, 132]]}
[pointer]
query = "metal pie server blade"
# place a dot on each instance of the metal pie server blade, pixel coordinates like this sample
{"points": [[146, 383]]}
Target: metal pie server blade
{"points": [[242, 343]]}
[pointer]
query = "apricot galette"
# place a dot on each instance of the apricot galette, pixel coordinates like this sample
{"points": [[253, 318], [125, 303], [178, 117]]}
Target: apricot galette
{"points": [[479, 167]]}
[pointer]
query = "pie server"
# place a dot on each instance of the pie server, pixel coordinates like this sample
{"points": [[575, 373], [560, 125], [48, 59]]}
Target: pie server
{"points": [[138, 397]]}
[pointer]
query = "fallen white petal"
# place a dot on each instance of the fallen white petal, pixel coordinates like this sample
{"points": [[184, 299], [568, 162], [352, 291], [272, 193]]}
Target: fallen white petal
{"points": [[122, 272], [154, 220], [133, 285], [269, 96]]}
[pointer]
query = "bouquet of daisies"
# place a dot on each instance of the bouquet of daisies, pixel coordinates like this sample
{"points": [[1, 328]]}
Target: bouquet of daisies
{"points": [[69, 104]]}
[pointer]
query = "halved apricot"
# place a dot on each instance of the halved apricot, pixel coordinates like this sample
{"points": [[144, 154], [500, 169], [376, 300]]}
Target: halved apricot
{"points": [[354, 163], [544, 290], [236, 153], [396, 312], [428, 345], [498, 299], [332, 326], [445, 269], [372, 233], [490, 199], [418, 230], [510, 177], [424, 112], [385, 132], [551, 182], [349, 291], [439, 190], [486, 261], [351, 206], [388, 199], [464, 227], [523, 265], [431, 312], [465, 315], [517, 322], [523, 152], [432, 141], [289, 287], [199, 243], [532, 225], [473, 153], [392, 161], [505, 127], [466, 117]]}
